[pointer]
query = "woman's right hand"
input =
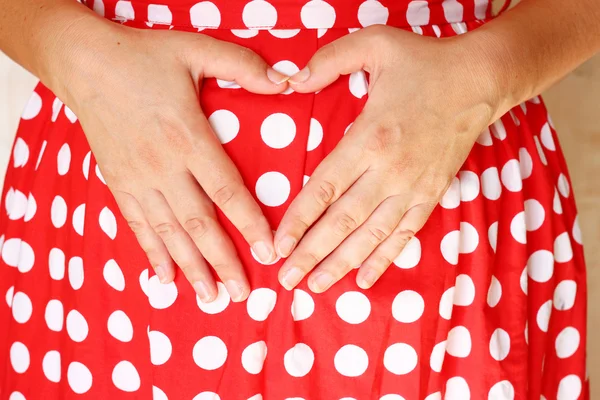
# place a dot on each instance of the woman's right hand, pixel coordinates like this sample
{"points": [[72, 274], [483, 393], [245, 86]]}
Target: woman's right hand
{"points": [[135, 93]]}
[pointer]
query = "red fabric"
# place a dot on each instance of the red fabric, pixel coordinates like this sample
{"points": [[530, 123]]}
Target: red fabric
{"points": [[85, 318]]}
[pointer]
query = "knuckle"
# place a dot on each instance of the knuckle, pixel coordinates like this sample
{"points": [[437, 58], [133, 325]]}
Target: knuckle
{"points": [[377, 235], [165, 230], [381, 262], [311, 259], [344, 224], [325, 193], [381, 138], [223, 195], [402, 237], [255, 224], [196, 226], [139, 228]]}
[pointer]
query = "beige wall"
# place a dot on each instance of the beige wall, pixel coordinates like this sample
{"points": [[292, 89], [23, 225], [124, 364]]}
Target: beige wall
{"points": [[574, 104]]}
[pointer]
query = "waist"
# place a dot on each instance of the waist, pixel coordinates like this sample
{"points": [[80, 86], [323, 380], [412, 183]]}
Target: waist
{"points": [[292, 14]]}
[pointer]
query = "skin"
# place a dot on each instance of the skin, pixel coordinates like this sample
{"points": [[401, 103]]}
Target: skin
{"points": [[373, 199]]}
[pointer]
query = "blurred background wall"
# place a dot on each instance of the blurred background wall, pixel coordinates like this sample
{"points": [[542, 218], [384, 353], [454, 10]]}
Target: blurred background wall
{"points": [[574, 104]]}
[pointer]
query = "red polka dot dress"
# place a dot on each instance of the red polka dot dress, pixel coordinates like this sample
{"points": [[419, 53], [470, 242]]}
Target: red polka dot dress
{"points": [[488, 301]]}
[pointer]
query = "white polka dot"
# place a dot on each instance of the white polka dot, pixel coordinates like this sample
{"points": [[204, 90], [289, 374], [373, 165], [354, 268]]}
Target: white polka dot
{"points": [[159, 14], [160, 347], [161, 296], [451, 198], [278, 130], [210, 353], [56, 264], [518, 228], [113, 275], [351, 361], [523, 280], [459, 342], [411, 254], [494, 292], [16, 396], [497, 128], [205, 15], [259, 14], [493, 235], [272, 188], [408, 306], [26, 257], [33, 107], [64, 159], [417, 13], [372, 12], [469, 238], [31, 208], [436, 360], [563, 252], [125, 377], [564, 295], [143, 279], [19, 357], [457, 388], [260, 303], [76, 272], [120, 327], [469, 185], [567, 342], [534, 214], [124, 11], [358, 84], [158, 394], [244, 34], [464, 291], [577, 231], [54, 315], [317, 14], [525, 163], [391, 397], [353, 307], [225, 124], [436, 395], [51, 366], [9, 296], [288, 68], [499, 344], [511, 176], [217, 305], [284, 33], [569, 388], [400, 359], [79, 219], [299, 360], [207, 396], [79, 377], [503, 390], [20, 153], [485, 138], [449, 247], [543, 316], [540, 266], [108, 223], [77, 326], [563, 186], [490, 184], [10, 252], [231, 84], [447, 303], [253, 357], [21, 307], [315, 135], [540, 151], [556, 204], [546, 136], [16, 204], [303, 305], [57, 104]]}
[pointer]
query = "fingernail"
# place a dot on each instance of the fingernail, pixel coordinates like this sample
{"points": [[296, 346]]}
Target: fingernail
{"points": [[161, 272], [291, 278], [286, 245], [367, 279], [300, 76], [276, 77], [263, 252], [322, 281], [203, 291], [235, 290]]}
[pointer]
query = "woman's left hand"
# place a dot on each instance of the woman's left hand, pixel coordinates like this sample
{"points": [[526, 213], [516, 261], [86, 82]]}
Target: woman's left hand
{"points": [[429, 99]]}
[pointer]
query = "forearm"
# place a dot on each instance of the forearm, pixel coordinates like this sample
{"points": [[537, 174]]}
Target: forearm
{"points": [[539, 41], [41, 35]]}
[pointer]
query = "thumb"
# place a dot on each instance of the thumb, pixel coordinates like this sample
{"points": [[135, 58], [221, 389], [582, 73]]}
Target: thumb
{"points": [[231, 62], [341, 57]]}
